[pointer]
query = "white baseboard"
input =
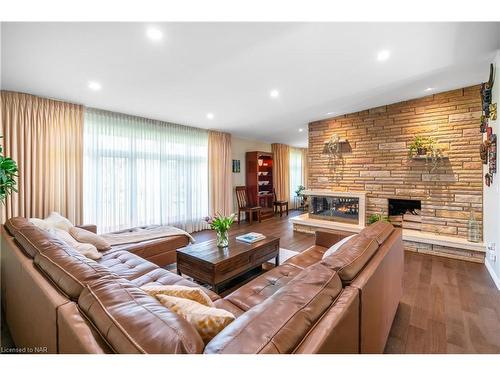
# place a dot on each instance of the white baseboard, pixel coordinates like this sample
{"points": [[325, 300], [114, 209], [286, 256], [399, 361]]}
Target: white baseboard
{"points": [[493, 275]]}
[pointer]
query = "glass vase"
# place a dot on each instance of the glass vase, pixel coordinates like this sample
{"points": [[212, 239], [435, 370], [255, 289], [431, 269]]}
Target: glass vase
{"points": [[222, 238], [473, 228]]}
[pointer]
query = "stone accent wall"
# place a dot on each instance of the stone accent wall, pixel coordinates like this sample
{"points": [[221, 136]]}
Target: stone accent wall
{"points": [[375, 159]]}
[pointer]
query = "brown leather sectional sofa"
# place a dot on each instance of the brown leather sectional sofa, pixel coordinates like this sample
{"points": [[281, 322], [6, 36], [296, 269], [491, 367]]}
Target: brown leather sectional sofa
{"points": [[57, 299]]}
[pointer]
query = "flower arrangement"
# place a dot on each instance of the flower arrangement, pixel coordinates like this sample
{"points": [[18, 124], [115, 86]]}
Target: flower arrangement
{"points": [[221, 224]]}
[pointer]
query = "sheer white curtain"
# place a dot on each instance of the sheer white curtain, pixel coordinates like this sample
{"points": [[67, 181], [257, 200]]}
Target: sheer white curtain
{"points": [[296, 174], [139, 171]]}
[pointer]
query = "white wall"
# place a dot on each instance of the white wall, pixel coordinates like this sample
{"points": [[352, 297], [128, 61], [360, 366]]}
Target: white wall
{"points": [[491, 194], [239, 147]]}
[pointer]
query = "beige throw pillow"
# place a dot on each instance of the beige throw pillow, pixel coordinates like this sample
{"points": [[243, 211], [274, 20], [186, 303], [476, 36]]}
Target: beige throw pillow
{"points": [[86, 249], [82, 235], [54, 220], [181, 291], [208, 321]]}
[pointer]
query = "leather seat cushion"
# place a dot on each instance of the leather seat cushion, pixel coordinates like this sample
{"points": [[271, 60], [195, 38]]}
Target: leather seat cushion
{"points": [[262, 287], [308, 257], [281, 322], [379, 231], [126, 265], [133, 322], [15, 223], [161, 276], [352, 257], [66, 267]]}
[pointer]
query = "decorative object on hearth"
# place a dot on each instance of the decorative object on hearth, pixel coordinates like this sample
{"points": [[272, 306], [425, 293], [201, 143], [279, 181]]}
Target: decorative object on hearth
{"points": [[473, 228], [221, 224], [373, 218], [483, 151], [302, 197], [492, 155], [484, 124], [236, 166], [486, 94], [8, 171]]}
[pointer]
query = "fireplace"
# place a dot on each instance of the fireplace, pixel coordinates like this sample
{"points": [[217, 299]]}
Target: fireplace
{"points": [[405, 213], [340, 209]]}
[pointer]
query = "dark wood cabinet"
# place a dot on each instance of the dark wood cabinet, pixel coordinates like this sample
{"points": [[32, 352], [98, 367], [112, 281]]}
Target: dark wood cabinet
{"points": [[259, 181]]}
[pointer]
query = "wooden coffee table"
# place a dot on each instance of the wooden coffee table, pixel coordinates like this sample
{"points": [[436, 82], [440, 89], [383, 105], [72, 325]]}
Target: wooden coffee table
{"points": [[206, 263]]}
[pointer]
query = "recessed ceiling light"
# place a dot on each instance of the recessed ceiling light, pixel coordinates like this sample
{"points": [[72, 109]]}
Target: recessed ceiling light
{"points": [[429, 89], [301, 130], [93, 85], [154, 33], [210, 116], [330, 113], [274, 93], [383, 55]]}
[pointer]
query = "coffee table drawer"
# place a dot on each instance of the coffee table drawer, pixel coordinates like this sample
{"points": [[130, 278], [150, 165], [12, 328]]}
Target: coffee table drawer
{"points": [[264, 253]]}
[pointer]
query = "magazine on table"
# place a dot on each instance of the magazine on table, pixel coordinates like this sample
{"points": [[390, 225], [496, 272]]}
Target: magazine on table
{"points": [[251, 237]]}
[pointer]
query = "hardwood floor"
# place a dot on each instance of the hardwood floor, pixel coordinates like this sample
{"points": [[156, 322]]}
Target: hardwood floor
{"points": [[448, 306]]}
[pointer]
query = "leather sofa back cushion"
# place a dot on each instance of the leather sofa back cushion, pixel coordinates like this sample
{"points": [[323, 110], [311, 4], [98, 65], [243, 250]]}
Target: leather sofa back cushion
{"points": [[133, 322], [280, 323], [378, 231], [15, 223], [67, 268], [352, 257], [34, 240]]}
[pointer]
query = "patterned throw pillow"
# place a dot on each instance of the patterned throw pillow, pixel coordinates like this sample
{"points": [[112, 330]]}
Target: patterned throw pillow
{"points": [[208, 321], [181, 291]]}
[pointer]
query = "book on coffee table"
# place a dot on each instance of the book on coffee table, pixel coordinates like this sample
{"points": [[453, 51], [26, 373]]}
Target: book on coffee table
{"points": [[251, 237]]}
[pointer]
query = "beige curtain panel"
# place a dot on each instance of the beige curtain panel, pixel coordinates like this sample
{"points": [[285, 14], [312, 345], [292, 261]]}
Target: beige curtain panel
{"points": [[305, 167], [44, 137], [281, 170], [219, 173]]}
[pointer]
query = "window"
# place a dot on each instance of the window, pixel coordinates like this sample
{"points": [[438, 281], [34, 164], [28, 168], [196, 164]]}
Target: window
{"points": [[297, 175], [141, 172]]}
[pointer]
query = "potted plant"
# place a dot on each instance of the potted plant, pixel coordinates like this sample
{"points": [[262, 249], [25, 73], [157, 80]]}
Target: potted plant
{"points": [[8, 171], [373, 218], [418, 146], [434, 153], [302, 197], [221, 224]]}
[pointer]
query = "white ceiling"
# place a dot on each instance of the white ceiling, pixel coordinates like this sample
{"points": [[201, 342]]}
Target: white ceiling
{"points": [[229, 69]]}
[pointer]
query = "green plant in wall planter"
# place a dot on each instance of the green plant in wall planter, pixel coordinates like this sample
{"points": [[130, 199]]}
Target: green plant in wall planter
{"points": [[373, 218], [418, 146], [8, 172]]}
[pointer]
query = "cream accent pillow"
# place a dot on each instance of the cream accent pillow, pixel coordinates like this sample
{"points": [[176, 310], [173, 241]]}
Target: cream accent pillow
{"points": [[54, 220], [208, 321], [336, 246], [85, 249], [181, 291], [82, 235], [40, 223]]}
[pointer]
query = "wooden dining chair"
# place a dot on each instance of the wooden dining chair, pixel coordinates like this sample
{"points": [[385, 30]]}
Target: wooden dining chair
{"points": [[244, 206], [279, 204]]}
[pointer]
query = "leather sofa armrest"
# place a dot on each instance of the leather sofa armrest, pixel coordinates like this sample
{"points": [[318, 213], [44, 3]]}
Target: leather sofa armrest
{"points": [[90, 227], [328, 239]]}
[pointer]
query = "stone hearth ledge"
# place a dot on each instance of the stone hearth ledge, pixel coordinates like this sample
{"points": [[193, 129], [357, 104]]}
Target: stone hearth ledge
{"points": [[422, 242]]}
